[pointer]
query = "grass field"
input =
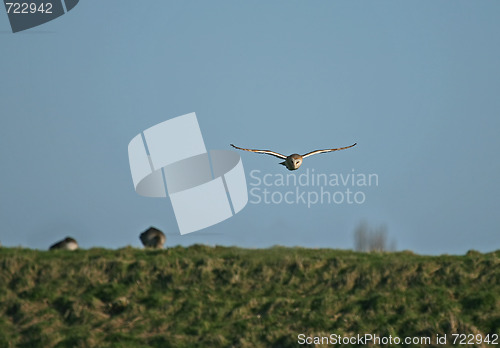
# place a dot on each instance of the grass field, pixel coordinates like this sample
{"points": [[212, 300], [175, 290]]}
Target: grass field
{"points": [[221, 297]]}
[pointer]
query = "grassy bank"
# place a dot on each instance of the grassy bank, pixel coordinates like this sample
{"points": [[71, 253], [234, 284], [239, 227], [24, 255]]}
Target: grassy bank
{"points": [[204, 296]]}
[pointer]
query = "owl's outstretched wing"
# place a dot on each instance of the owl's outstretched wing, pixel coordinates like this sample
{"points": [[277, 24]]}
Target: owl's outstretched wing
{"points": [[327, 150], [267, 152]]}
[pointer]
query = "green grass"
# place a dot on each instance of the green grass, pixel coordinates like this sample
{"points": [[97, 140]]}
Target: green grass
{"points": [[218, 297]]}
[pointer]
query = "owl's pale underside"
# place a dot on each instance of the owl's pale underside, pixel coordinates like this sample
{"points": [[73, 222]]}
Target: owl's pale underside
{"points": [[294, 161]]}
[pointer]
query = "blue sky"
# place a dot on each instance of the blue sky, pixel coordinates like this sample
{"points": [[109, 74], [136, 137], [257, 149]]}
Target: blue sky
{"points": [[415, 84]]}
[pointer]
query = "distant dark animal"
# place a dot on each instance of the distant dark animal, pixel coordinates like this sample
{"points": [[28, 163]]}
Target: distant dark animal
{"points": [[153, 238], [67, 244]]}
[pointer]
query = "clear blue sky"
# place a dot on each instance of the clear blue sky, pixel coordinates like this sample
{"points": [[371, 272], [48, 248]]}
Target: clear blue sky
{"points": [[416, 84]]}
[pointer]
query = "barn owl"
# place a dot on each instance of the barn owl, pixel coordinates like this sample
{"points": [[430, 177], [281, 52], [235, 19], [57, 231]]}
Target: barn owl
{"points": [[294, 161]]}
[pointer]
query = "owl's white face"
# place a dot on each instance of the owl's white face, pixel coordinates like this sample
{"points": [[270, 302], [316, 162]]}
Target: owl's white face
{"points": [[294, 161]]}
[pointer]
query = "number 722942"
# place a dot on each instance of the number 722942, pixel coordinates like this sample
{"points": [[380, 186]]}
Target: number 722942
{"points": [[474, 339], [28, 7]]}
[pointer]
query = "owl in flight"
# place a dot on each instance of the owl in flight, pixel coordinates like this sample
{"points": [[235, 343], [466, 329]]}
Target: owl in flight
{"points": [[293, 161]]}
